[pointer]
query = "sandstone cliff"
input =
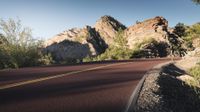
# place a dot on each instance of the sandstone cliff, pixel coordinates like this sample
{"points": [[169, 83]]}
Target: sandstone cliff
{"points": [[155, 28], [107, 27], [79, 43]]}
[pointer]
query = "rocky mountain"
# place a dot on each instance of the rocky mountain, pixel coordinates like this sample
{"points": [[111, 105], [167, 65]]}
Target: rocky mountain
{"points": [[90, 41]]}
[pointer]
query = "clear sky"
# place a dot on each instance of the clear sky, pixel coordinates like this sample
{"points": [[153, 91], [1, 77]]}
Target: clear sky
{"points": [[50, 17]]}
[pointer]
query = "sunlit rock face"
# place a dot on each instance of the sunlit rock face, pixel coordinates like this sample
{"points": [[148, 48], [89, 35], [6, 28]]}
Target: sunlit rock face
{"points": [[156, 28], [107, 27]]}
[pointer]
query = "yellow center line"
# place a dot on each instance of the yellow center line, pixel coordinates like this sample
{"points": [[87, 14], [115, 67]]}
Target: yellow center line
{"points": [[56, 76]]}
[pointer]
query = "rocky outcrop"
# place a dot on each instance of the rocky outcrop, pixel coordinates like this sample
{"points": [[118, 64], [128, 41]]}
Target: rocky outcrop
{"points": [[108, 27], [155, 28], [76, 44]]}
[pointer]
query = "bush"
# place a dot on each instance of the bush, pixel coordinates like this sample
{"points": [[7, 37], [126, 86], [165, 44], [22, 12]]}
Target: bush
{"points": [[112, 53], [120, 39], [18, 48], [180, 29], [195, 72], [117, 52], [192, 32], [120, 52]]}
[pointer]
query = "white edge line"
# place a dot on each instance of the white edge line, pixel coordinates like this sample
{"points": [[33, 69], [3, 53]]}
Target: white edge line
{"points": [[134, 95]]}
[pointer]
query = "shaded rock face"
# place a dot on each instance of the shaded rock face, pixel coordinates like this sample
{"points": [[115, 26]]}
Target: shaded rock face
{"points": [[107, 27], [96, 42], [153, 50], [76, 44], [68, 50], [155, 28]]}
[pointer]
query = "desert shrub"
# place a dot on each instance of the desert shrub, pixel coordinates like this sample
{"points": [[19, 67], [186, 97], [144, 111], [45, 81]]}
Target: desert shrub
{"points": [[6, 59], [145, 42], [137, 53], [112, 53], [180, 29], [195, 84], [195, 72], [17, 46], [118, 51], [151, 48], [189, 45], [121, 51], [192, 32], [120, 39], [45, 59]]}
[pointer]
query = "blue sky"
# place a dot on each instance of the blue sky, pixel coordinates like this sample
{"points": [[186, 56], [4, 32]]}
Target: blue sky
{"points": [[50, 17]]}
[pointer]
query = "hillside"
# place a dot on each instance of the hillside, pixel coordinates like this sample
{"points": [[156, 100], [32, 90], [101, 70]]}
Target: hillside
{"points": [[150, 38]]}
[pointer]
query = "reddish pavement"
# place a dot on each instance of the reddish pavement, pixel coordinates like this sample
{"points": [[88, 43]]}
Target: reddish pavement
{"points": [[103, 90], [23, 74]]}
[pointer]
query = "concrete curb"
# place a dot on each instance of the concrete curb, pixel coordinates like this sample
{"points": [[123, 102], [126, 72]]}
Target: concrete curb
{"points": [[134, 97]]}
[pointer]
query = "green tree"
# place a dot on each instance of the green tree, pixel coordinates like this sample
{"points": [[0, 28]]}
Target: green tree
{"points": [[195, 29], [120, 39], [17, 46], [180, 29], [6, 60], [192, 32], [16, 34], [196, 1]]}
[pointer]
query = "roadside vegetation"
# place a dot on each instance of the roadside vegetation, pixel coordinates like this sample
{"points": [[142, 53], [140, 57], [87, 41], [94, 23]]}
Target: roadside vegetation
{"points": [[148, 48], [196, 1], [18, 48], [119, 51], [191, 37], [188, 33], [195, 73], [113, 52]]}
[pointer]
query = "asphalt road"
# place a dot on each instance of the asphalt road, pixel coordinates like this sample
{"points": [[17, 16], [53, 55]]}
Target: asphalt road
{"points": [[92, 87]]}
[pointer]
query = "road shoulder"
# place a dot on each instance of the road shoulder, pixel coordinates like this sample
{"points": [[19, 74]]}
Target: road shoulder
{"points": [[163, 92]]}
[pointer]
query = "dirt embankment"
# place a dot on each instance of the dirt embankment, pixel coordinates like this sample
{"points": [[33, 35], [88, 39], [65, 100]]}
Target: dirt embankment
{"points": [[162, 91]]}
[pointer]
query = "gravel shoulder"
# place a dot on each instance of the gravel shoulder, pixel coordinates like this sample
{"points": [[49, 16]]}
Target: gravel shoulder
{"points": [[163, 92]]}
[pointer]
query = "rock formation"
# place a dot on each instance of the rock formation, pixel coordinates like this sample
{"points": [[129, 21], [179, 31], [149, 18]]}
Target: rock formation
{"points": [[107, 27], [155, 28], [78, 43]]}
